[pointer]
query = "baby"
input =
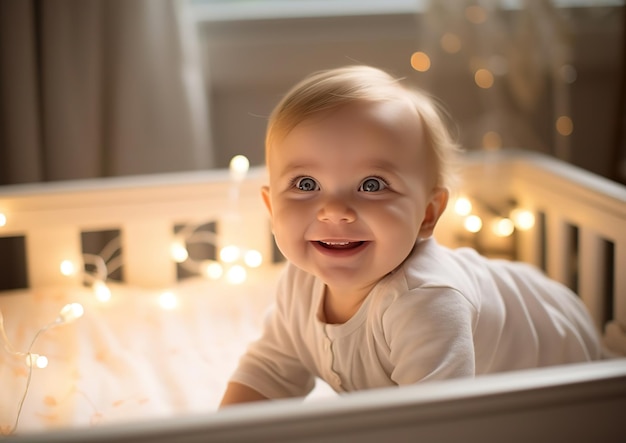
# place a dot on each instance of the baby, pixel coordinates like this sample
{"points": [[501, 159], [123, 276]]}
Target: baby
{"points": [[358, 174]]}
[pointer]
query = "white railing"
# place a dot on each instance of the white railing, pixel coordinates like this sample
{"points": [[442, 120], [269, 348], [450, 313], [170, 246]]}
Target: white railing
{"points": [[51, 218]]}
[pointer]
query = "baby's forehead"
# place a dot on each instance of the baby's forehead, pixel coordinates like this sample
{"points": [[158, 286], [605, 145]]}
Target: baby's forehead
{"points": [[393, 115], [391, 126], [390, 120]]}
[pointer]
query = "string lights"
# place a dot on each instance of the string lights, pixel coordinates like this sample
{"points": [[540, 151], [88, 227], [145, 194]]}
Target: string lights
{"points": [[510, 74], [232, 263], [68, 314], [502, 223], [233, 260]]}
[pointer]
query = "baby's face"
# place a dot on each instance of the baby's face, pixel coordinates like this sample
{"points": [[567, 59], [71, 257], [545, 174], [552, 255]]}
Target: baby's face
{"points": [[350, 191]]}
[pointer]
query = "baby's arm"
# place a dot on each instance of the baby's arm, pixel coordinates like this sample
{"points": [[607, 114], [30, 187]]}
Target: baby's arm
{"points": [[238, 393], [429, 333]]}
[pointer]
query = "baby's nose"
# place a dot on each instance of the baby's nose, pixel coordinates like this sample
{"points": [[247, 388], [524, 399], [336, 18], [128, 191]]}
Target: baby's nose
{"points": [[336, 210]]}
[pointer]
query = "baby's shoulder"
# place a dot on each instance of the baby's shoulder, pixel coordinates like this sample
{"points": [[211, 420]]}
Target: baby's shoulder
{"points": [[433, 265], [405, 290]]}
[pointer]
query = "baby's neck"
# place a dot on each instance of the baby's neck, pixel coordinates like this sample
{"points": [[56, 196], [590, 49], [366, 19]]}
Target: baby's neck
{"points": [[340, 306]]}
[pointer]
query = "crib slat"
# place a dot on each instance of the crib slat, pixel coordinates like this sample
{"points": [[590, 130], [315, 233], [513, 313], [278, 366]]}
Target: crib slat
{"points": [[528, 245], [619, 306], [46, 248], [248, 231], [146, 253], [558, 248], [615, 331], [592, 285]]}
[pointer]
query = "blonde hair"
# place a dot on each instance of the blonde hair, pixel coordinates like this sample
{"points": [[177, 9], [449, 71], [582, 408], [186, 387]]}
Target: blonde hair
{"points": [[327, 90]]}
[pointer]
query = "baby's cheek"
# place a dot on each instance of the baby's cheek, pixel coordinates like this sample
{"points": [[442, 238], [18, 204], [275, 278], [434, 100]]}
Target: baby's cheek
{"points": [[289, 229]]}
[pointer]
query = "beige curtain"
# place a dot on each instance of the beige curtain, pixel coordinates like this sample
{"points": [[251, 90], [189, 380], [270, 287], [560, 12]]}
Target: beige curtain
{"points": [[94, 88]]}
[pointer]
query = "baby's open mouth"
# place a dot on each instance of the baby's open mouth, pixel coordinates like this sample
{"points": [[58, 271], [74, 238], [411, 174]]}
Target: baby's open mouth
{"points": [[340, 244]]}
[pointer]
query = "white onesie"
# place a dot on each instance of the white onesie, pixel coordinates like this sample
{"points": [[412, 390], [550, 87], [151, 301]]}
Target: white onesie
{"points": [[441, 314]]}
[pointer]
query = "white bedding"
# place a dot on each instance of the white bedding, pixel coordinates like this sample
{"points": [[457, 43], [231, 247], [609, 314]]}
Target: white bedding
{"points": [[128, 358]]}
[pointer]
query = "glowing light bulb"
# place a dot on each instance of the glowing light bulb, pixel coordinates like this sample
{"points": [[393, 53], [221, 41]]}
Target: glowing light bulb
{"points": [[36, 360], [463, 206], [239, 166], [473, 223], [483, 78], [3, 219], [212, 269], [168, 300], [564, 125], [230, 253], [236, 275], [179, 252], [420, 61], [503, 227], [101, 291], [67, 268], [70, 312], [253, 258], [523, 219]]}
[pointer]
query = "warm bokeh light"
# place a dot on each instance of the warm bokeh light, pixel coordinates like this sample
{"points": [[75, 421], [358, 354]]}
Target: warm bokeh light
{"points": [[101, 291], [236, 275], [420, 61], [3, 219], [168, 300], [463, 206], [36, 360], [239, 166], [179, 252], [67, 267], [564, 125], [212, 269], [483, 78], [253, 258], [523, 219], [70, 312], [230, 254], [503, 227], [451, 43], [473, 223], [476, 14]]}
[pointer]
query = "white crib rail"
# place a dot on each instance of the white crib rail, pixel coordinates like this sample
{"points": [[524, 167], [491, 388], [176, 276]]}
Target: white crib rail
{"points": [[577, 403], [51, 218], [145, 209], [570, 201]]}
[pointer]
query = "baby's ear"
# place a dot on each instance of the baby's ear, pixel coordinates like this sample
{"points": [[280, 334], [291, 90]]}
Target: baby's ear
{"points": [[436, 205], [265, 194]]}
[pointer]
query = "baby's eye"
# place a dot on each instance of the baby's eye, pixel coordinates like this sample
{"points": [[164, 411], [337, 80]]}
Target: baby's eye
{"points": [[307, 184], [372, 184]]}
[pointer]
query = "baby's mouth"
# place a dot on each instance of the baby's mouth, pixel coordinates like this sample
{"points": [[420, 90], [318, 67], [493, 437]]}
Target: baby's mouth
{"points": [[340, 244]]}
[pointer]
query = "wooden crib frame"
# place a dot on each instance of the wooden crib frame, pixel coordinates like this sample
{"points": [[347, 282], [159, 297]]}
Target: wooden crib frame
{"points": [[558, 401]]}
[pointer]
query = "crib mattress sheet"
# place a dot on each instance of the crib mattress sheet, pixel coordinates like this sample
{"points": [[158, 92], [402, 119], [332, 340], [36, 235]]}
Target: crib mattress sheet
{"points": [[129, 358]]}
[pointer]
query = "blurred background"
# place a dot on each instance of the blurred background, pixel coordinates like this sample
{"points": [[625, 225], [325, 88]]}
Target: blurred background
{"points": [[92, 88]]}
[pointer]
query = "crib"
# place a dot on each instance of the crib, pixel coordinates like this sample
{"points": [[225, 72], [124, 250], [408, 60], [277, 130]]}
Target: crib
{"points": [[135, 341]]}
